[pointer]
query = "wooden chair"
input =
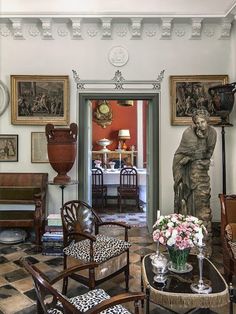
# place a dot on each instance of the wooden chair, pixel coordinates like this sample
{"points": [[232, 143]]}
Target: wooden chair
{"points": [[99, 190], [128, 188], [84, 243], [228, 234], [92, 302]]}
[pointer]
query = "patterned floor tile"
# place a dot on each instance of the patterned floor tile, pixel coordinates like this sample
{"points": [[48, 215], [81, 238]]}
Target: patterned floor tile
{"points": [[19, 295]]}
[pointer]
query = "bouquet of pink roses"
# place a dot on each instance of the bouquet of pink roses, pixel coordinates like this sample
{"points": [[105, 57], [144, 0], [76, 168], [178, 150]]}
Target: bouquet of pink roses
{"points": [[179, 231]]}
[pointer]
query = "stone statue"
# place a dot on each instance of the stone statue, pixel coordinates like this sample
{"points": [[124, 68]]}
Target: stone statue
{"points": [[190, 169]]}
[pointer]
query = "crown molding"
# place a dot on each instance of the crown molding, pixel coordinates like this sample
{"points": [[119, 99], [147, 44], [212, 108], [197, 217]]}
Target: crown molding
{"points": [[136, 27]]}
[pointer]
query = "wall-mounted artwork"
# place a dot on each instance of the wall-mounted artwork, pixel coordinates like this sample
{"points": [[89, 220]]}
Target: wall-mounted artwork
{"points": [[8, 147], [38, 99], [189, 92], [39, 152]]}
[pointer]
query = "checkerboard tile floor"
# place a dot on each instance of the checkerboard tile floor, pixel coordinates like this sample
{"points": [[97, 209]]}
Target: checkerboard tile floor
{"points": [[16, 288]]}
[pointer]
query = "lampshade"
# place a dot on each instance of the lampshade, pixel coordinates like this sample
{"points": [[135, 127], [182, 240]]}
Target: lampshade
{"points": [[124, 134]]}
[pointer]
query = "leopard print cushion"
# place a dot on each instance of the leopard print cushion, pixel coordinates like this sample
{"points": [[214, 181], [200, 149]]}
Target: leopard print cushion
{"points": [[88, 300], [104, 248]]}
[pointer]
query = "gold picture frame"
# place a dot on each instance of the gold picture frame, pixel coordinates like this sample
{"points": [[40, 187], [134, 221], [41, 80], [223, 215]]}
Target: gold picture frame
{"points": [[40, 99], [188, 92], [39, 153]]}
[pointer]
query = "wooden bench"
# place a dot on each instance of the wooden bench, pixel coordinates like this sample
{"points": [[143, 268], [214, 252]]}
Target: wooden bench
{"points": [[24, 189]]}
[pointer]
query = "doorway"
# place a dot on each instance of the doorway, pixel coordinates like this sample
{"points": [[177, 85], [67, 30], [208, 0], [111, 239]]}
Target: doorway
{"points": [[152, 142]]}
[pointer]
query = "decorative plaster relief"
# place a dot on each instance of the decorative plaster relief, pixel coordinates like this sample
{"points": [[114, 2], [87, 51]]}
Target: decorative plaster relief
{"points": [[136, 28], [209, 32], [5, 31], [92, 31], [226, 28], [34, 31], [166, 28], [196, 28], [106, 27], [17, 28], [180, 32], [121, 30], [151, 31], [46, 28], [118, 56], [62, 31], [76, 28]]}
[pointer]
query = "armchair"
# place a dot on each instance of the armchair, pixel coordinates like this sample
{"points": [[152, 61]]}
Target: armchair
{"points": [[228, 234], [83, 243], [92, 302]]}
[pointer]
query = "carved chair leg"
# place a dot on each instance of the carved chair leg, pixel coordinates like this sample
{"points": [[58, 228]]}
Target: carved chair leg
{"points": [[127, 279], [148, 300]]}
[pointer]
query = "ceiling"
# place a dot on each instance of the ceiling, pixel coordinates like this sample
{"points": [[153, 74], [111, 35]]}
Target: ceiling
{"points": [[188, 8]]}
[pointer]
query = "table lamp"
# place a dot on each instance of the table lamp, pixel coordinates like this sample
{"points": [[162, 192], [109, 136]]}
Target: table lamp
{"points": [[124, 135]]}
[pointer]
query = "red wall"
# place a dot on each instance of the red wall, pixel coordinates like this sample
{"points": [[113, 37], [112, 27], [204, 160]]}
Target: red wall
{"points": [[123, 118]]}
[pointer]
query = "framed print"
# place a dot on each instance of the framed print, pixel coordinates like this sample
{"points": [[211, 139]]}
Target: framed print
{"points": [[191, 92], [38, 99], [39, 152], [8, 147]]}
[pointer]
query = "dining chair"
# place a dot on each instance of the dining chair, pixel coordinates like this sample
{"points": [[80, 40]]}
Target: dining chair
{"points": [[51, 301], [86, 241], [128, 188], [99, 190]]}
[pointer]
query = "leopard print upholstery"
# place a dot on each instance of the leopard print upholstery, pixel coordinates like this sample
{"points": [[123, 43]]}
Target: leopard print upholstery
{"points": [[88, 300], [104, 249]]}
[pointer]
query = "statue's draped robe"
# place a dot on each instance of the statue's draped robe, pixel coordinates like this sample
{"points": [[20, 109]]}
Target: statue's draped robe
{"points": [[190, 170]]}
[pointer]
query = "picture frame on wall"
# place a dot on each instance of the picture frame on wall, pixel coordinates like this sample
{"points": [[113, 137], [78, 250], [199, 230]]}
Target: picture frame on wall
{"points": [[8, 147], [40, 99], [39, 153], [189, 92]]}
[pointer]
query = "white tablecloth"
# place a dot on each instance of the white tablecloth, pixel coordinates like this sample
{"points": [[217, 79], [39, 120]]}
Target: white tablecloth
{"points": [[113, 177]]}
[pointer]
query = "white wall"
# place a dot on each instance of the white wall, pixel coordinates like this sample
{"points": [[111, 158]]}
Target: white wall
{"points": [[148, 55]]}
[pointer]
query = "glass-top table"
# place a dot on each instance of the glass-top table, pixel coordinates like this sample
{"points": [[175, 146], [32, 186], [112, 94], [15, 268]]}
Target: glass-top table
{"points": [[177, 293]]}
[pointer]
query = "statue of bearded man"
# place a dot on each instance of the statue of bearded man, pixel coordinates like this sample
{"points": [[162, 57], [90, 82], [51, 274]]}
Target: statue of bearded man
{"points": [[190, 168]]}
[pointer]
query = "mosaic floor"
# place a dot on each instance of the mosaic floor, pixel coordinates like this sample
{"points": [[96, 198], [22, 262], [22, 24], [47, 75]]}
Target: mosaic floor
{"points": [[16, 290]]}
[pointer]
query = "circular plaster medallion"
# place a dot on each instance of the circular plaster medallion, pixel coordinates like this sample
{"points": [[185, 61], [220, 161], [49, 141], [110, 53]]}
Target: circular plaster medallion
{"points": [[4, 98], [118, 56]]}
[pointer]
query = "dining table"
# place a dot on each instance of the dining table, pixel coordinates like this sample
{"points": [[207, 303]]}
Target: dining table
{"points": [[111, 178]]}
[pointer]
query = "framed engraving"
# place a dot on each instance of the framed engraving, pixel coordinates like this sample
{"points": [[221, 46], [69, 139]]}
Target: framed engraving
{"points": [[190, 92], [39, 151], [8, 147], [38, 99]]}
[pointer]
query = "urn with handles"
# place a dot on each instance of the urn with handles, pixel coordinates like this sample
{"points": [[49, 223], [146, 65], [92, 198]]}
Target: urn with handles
{"points": [[62, 147]]}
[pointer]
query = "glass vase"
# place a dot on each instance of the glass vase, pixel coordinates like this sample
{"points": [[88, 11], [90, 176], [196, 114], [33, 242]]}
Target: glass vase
{"points": [[178, 260]]}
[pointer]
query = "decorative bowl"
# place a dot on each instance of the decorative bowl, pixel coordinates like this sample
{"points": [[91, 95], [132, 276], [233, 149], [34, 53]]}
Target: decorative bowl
{"points": [[104, 142]]}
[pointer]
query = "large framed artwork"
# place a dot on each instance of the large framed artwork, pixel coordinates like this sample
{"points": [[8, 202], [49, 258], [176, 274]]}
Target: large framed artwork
{"points": [[8, 147], [39, 99], [39, 152], [189, 92]]}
